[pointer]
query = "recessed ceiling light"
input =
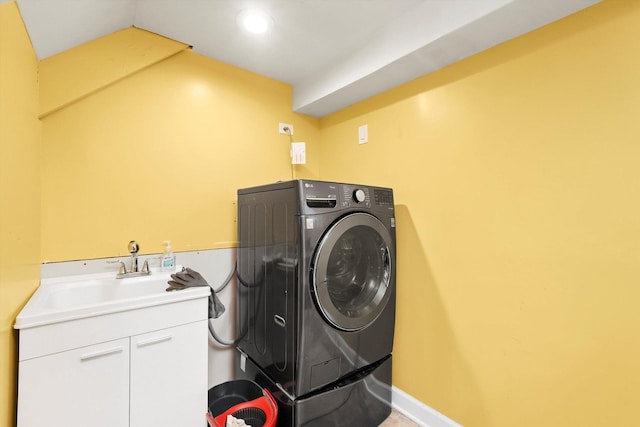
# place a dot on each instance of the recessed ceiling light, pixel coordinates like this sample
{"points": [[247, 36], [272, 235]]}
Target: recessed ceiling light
{"points": [[255, 21]]}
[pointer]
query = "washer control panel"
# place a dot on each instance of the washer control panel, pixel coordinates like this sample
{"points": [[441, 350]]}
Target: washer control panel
{"points": [[318, 194], [355, 196], [383, 197]]}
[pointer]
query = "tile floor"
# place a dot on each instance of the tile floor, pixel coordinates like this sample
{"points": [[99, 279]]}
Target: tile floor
{"points": [[396, 419]]}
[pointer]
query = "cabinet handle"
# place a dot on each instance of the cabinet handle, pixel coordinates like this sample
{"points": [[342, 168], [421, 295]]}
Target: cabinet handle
{"points": [[100, 353], [154, 340]]}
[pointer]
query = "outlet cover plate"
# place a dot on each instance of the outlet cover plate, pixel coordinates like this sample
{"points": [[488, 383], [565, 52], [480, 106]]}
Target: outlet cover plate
{"points": [[285, 129]]}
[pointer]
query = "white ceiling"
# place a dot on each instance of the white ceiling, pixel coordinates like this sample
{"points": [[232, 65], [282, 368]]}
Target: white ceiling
{"points": [[334, 52]]}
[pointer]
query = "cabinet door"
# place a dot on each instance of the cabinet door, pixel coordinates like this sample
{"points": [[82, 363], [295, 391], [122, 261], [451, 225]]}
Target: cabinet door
{"points": [[169, 377], [76, 388]]}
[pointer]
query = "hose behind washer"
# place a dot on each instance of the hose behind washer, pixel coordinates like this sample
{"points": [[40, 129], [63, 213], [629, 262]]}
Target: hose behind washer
{"points": [[212, 331]]}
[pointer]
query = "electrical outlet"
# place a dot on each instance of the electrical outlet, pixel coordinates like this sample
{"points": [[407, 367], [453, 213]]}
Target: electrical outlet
{"points": [[285, 129]]}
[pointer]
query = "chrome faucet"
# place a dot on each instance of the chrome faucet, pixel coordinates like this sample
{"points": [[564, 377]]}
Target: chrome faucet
{"points": [[133, 271], [133, 250]]}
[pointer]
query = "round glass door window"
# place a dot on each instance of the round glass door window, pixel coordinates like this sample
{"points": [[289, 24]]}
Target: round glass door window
{"points": [[352, 271]]}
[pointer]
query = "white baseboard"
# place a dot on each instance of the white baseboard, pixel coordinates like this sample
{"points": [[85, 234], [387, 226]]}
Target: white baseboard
{"points": [[418, 412]]}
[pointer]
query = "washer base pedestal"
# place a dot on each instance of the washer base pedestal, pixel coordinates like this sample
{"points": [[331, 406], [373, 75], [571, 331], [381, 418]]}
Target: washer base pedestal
{"points": [[361, 399]]}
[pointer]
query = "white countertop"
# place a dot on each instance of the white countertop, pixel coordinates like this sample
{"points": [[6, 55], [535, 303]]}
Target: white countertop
{"points": [[74, 297]]}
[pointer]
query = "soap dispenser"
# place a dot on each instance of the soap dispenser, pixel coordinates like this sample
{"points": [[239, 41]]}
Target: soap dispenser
{"points": [[168, 262]]}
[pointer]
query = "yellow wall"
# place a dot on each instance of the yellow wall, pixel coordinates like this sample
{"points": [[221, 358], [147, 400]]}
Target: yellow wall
{"points": [[19, 191], [160, 154], [517, 183], [72, 75]]}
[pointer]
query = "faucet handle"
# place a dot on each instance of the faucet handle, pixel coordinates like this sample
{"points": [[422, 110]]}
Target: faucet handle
{"points": [[145, 267], [123, 267]]}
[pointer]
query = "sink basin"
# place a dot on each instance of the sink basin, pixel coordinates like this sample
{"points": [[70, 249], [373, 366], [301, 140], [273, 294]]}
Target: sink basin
{"points": [[73, 297], [95, 291]]}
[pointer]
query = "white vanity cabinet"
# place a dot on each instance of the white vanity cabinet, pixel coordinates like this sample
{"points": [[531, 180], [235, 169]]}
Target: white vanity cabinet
{"points": [[76, 388], [138, 366], [166, 377]]}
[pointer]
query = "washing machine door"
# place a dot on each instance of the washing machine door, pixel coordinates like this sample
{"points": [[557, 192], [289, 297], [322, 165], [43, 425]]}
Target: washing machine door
{"points": [[352, 271]]}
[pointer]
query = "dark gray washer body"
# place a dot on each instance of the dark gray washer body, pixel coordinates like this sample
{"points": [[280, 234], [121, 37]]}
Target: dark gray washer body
{"points": [[316, 292]]}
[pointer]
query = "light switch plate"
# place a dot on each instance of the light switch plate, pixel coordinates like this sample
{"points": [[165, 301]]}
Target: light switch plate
{"points": [[363, 134]]}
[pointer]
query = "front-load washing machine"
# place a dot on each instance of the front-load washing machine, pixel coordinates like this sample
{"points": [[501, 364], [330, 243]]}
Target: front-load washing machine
{"points": [[316, 297]]}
